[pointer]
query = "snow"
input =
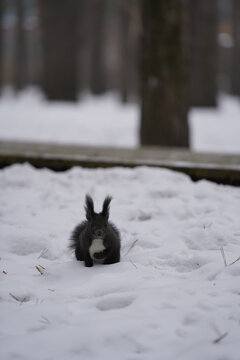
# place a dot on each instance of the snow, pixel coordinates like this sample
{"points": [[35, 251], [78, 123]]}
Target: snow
{"points": [[104, 121], [95, 121], [216, 130], [171, 296]]}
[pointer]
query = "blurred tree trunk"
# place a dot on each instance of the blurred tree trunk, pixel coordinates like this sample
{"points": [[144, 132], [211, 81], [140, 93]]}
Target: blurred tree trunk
{"points": [[124, 32], [98, 69], [20, 55], [59, 24], [84, 42], [236, 48], [163, 74], [130, 29], [203, 52], [1, 45]]}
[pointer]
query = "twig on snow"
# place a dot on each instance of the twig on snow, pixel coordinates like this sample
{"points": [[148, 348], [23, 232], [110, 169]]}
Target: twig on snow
{"points": [[21, 301], [14, 297], [45, 320], [133, 263], [224, 258], [234, 261], [206, 226], [41, 272], [130, 248], [220, 338], [42, 253], [223, 255], [40, 268]]}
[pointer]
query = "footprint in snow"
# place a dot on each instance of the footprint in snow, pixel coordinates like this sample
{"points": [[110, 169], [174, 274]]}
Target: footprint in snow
{"points": [[114, 302], [144, 216], [163, 194]]}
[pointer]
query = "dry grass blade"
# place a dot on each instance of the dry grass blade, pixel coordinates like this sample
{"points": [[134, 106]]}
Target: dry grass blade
{"points": [[42, 253], [133, 263], [21, 301], [38, 269], [206, 226], [130, 248], [224, 259], [234, 261], [220, 338], [45, 320], [41, 267], [14, 297], [223, 255]]}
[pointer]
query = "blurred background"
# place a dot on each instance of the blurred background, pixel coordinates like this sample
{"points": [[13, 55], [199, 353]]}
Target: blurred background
{"points": [[164, 59]]}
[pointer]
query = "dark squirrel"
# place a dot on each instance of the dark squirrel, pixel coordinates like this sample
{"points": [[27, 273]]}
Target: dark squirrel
{"points": [[96, 240]]}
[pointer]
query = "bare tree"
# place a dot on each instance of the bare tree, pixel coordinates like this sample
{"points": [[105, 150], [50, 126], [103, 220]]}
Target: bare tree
{"points": [[124, 6], [129, 12], [20, 54], [163, 74], [236, 49], [59, 24], [1, 45], [98, 66], [203, 52]]}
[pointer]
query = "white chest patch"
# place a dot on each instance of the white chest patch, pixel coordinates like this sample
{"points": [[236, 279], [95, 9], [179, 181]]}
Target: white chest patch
{"points": [[96, 247]]}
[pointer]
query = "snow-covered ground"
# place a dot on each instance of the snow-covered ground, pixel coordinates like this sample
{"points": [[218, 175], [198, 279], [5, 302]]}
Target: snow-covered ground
{"points": [[170, 297], [103, 121], [216, 130], [95, 121]]}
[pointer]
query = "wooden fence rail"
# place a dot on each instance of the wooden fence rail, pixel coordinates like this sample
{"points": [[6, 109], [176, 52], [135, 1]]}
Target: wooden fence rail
{"points": [[220, 168]]}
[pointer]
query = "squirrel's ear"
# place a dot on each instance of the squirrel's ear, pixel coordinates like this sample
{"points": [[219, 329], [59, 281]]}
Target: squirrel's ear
{"points": [[105, 209], [89, 207]]}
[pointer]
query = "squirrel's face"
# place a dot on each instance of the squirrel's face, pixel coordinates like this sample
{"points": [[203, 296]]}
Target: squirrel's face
{"points": [[98, 225]]}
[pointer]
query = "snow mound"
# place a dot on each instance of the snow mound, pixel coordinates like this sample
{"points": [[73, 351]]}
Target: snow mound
{"points": [[171, 296]]}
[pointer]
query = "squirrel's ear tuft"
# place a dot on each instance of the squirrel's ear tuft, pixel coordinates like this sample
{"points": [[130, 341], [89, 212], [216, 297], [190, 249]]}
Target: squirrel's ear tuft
{"points": [[89, 207], [105, 209]]}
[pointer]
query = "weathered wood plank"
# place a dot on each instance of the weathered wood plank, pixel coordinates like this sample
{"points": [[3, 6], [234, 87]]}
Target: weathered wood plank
{"points": [[219, 168]]}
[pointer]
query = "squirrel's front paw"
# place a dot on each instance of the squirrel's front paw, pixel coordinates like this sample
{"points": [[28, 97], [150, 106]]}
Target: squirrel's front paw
{"points": [[99, 255]]}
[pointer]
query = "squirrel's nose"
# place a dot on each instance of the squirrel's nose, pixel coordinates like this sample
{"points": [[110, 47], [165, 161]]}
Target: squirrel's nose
{"points": [[99, 233]]}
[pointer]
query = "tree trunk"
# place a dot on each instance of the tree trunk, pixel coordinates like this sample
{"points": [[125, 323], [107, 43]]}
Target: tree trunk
{"points": [[163, 74], [20, 55], [59, 23], [203, 52], [84, 42], [98, 65], [236, 48], [124, 32], [129, 12], [1, 45]]}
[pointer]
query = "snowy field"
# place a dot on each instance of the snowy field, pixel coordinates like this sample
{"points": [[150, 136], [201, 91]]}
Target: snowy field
{"points": [[174, 295], [104, 121], [100, 121], [170, 297]]}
